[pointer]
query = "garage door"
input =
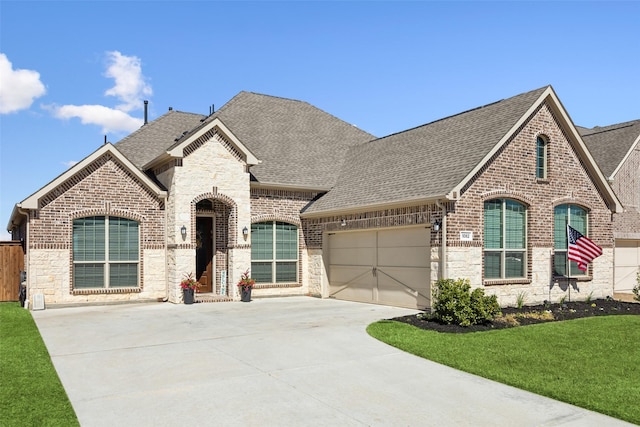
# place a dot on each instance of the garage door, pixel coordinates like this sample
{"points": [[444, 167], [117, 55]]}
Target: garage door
{"points": [[627, 260], [390, 267]]}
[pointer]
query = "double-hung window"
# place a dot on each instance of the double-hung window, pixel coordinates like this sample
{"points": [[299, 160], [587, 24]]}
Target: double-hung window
{"points": [[105, 252], [505, 239], [274, 252], [564, 215]]}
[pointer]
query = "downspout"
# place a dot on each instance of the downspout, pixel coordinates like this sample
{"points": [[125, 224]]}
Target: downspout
{"points": [[27, 262], [443, 245], [166, 254]]}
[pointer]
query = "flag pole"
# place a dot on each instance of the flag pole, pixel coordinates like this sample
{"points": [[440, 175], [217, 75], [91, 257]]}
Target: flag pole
{"points": [[568, 265]]}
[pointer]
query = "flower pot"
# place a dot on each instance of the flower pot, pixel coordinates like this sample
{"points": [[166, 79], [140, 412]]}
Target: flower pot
{"points": [[245, 294], [187, 293]]}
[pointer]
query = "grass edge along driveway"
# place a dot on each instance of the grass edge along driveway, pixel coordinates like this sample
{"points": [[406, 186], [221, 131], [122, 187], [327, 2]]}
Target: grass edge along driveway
{"points": [[30, 390], [593, 363]]}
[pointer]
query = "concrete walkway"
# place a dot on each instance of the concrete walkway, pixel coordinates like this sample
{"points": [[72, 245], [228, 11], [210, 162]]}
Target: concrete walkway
{"points": [[271, 362]]}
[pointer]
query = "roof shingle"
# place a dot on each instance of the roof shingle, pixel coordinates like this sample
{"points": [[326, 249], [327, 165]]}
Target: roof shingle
{"points": [[424, 162], [153, 139]]}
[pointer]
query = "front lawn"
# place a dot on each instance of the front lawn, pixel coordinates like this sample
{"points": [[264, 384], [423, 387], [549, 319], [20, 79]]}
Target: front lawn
{"points": [[30, 391], [592, 362]]}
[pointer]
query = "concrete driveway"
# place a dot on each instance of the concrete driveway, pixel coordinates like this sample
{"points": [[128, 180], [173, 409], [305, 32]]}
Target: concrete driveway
{"points": [[271, 362]]}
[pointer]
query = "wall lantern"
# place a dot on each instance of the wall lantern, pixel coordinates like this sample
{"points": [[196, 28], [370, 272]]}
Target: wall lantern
{"points": [[436, 225], [183, 231], [245, 232]]}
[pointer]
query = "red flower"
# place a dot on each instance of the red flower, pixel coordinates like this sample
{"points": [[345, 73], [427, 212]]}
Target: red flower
{"points": [[246, 282], [189, 282]]}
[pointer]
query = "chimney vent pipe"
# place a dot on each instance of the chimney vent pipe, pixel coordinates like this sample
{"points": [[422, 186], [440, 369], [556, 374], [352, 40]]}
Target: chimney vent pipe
{"points": [[146, 107]]}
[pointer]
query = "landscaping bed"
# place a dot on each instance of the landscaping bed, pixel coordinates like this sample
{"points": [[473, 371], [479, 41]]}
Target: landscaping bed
{"points": [[528, 315]]}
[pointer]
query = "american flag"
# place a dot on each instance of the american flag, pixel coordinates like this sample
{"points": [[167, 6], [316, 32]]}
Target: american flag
{"points": [[581, 249]]}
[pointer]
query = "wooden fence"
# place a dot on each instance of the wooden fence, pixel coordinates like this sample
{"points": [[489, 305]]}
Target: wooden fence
{"points": [[11, 263]]}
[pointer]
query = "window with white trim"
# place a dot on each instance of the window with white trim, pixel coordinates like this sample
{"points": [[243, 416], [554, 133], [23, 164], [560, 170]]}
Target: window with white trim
{"points": [[105, 252], [564, 215], [505, 239], [274, 252]]}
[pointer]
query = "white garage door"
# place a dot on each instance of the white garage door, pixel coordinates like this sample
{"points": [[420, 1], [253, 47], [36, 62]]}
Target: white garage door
{"points": [[390, 267], [627, 262]]}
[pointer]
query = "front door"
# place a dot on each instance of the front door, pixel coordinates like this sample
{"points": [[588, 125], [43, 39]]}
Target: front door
{"points": [[205, 273]]}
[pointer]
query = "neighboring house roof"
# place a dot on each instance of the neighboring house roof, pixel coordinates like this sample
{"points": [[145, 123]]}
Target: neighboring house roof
{"points": [[611, 145], [298, 145], [153, 138], [436, 160]]}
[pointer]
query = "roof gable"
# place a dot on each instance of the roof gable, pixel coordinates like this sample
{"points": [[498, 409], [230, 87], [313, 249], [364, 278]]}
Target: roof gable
{"points": [[213, 125], [436, 160], [32, 201], [612, 145]]}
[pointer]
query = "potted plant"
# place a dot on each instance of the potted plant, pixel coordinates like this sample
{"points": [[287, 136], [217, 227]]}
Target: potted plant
{"points": [[189, 285], [246, 284]]}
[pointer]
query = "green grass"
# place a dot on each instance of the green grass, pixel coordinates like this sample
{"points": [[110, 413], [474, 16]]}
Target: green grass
{"points": [[30, 391], [592, 362]]}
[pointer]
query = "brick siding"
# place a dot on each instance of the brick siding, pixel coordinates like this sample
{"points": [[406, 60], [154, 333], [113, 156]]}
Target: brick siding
{"points": [[104, 187]]}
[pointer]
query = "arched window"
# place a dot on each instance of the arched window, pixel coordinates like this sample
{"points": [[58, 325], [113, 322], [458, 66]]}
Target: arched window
{"points": [[274, 252], [105, 252], [505, 239], [541, 158], [564, 215]]}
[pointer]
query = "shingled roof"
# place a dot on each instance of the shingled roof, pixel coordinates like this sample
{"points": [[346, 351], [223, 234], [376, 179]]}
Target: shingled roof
{"points": [[298, 144], [153, 139], [423, 163], [610, 145]]}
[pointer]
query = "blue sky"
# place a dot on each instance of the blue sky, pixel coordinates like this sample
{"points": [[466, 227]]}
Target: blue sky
{"points": [[72, 72]]}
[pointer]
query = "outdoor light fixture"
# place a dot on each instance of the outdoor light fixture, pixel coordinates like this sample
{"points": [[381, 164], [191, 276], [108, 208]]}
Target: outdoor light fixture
{"points": [[344, 222], [183, 231], [436, 225], [245, 232]]}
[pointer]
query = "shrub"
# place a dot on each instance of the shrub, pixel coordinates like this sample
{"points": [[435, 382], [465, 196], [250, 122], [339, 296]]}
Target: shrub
{"points": [[455, 304], [636, 289]]}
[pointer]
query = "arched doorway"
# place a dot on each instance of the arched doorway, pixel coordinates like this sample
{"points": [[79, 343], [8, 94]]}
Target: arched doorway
{"points": [[212, 240]]}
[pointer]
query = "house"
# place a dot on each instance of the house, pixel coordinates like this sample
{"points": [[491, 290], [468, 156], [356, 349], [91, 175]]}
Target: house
{"points": [[616, 149], [315, 206]]}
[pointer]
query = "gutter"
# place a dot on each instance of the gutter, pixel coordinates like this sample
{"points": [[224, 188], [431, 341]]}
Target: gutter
{"points": [[370, 208]]}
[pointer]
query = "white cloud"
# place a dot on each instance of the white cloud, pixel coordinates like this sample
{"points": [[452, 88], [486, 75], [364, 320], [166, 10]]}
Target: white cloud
{"points": [[130, 88], [130, 83], [70, 163], [18, 88], [110, 119]]}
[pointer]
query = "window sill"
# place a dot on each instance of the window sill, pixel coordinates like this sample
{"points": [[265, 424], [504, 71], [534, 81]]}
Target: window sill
{"points": [[543, 181], [565, 279], [515, 281], [98, 291], [276, 285]]}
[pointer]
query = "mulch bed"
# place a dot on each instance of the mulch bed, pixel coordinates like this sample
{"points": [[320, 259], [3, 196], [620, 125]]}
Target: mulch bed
{"points": [[513, 317]]}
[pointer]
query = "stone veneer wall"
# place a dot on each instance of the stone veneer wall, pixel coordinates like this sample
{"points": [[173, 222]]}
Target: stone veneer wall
{"points": [[104, 187], [211, 169]]}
